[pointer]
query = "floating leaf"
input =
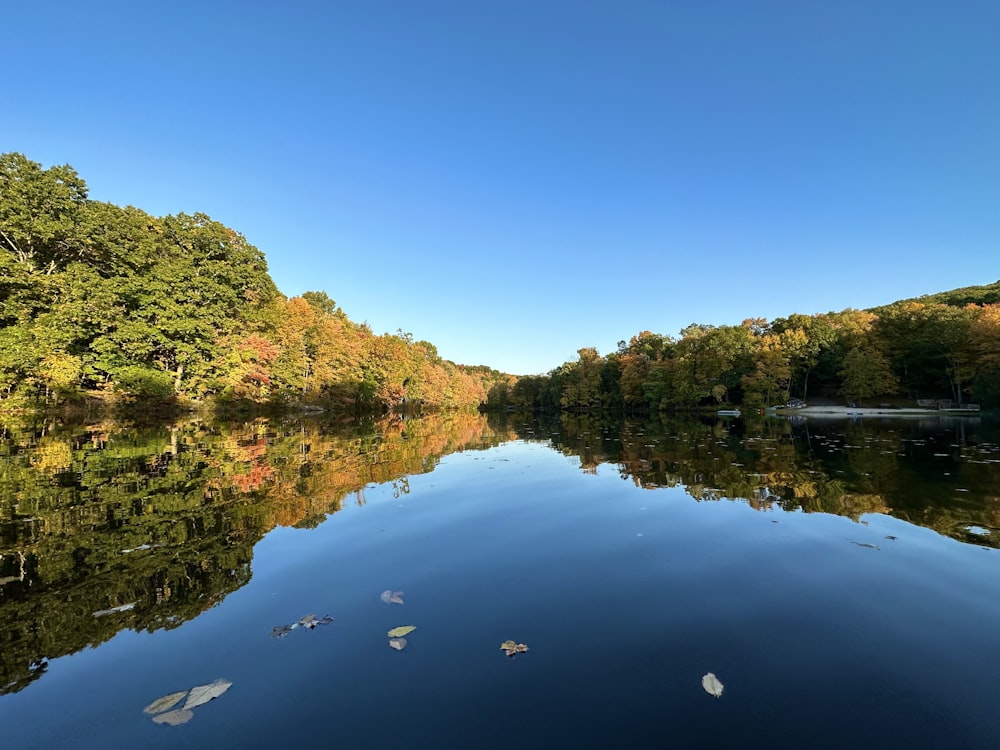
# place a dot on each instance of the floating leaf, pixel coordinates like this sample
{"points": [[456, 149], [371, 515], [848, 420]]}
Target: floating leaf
{"points": [[311, 621], [712, 685], [162, 704], [401, 631], [174, 718], [511, 648], [204, 693], [391, 597], [397, 643]]}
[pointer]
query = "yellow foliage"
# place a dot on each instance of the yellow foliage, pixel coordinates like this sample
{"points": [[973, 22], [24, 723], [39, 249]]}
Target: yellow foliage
{"points": [[805, 489], [53, 456]]}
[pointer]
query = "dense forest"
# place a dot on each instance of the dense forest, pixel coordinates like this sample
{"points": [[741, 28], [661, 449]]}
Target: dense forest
{"points": [[108, 303], [103, 302], [944, 348]]}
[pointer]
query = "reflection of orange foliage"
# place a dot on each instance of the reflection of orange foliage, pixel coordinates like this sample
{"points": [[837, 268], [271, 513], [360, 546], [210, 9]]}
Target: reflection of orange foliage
{"points": [[805, 489], [761, 500], [265, 473], [253, 479], [289, 510], [333, 468], [255, 454]]}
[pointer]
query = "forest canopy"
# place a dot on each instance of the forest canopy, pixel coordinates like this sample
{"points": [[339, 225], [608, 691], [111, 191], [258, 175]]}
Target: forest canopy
{"points": [[101, 301], [944, 349]]}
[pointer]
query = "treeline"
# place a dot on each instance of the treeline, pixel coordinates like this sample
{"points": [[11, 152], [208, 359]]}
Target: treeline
{"points": [[102, 301], [943, 347], [97, 300]]}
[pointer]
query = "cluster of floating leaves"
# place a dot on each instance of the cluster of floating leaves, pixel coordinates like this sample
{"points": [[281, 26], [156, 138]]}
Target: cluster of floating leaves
{"points": [[160, 709], [512, 647], [163, 709], [396, 636], [309, 621], [396, 639]]}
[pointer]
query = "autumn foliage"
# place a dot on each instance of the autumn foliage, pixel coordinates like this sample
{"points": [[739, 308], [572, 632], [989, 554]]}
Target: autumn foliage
{"points": [[99, 300]]}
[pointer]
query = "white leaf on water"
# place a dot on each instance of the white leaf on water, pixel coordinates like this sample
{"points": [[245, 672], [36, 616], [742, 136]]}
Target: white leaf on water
{"points": [[391, 597], [174, 718], [712, 685], [162, 704], [397, 643], [204, 693]]}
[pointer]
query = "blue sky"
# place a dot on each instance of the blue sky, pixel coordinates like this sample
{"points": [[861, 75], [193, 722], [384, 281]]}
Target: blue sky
{"points": [[515, 180]]}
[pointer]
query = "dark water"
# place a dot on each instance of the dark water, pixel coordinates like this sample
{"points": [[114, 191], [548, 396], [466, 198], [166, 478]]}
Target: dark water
{"points": [[839, 578]]}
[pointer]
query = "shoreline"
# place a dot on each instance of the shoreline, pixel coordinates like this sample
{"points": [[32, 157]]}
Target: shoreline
{"points": [[860, 411]]}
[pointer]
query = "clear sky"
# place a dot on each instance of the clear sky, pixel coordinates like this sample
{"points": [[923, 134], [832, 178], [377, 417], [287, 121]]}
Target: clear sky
{"points": [[515, 179]]}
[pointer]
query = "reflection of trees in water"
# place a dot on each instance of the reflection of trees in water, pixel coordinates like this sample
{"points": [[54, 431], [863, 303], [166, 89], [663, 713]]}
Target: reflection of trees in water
{"points": [[933, 475], [149, 527]]}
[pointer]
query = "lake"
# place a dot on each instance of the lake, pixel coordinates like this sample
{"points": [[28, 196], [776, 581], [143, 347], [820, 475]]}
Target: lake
{"points": [[775, 583]]}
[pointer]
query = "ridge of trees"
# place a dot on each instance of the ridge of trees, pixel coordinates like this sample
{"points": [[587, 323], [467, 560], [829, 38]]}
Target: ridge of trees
{"points": [[939, 347], [985, 294], [103, 301]]}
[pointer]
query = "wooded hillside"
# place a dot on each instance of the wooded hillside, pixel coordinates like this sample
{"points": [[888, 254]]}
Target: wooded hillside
{"points": [[107, 302], [100, 300], [944, 347]]}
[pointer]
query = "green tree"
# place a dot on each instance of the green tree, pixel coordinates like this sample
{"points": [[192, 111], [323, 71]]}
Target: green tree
{"points": [[818, 336], [866, 373], [582, 381], [39, 213]]}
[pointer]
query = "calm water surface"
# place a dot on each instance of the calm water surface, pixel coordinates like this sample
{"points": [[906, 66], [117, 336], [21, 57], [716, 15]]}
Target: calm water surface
{"points": [[839, 578]]}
